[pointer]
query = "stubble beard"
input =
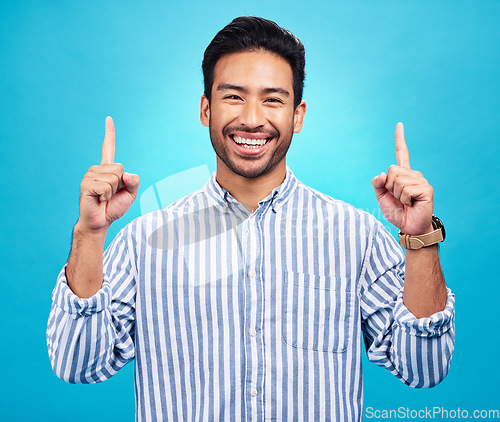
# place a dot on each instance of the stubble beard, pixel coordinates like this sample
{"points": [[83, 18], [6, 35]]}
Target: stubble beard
{"points": [[221, 149]]}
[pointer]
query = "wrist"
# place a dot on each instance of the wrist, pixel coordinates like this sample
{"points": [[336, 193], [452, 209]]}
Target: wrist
{"points": [[429, 238], [85, 232], [430, 229]]}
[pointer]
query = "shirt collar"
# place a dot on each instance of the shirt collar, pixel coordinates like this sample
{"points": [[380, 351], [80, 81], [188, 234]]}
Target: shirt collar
{"points": [[279, 195]]}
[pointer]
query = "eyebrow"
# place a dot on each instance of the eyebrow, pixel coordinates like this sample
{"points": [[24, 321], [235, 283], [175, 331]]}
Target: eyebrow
{"points": [[225, 87], [277, 91]]}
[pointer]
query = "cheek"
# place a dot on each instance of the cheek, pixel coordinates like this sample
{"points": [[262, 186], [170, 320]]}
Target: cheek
{"points": [[283, 121], [222, 116]]}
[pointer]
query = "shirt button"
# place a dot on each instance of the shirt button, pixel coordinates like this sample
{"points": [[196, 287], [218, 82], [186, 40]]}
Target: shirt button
{"points": [[252, 273], [253, 392], [253, 333]]}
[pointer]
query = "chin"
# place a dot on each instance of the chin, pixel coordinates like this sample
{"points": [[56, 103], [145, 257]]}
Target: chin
{"points": [[250, 170], [249, 173]]}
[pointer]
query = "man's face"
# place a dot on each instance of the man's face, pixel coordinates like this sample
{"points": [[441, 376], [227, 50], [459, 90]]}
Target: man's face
{"points": [[251, 114]]}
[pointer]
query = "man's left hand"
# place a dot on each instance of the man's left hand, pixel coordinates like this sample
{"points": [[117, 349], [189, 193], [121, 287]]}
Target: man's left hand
{"points": [[403, 194]]}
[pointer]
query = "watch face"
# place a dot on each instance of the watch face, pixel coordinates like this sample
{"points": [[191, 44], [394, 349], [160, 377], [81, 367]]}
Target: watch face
{"points": [[439, 225]]}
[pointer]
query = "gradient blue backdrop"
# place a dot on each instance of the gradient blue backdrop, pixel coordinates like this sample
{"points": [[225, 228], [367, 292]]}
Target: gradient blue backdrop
{"points": [[65, 65]]}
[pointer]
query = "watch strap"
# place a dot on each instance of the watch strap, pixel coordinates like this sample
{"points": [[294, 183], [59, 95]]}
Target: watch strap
{"points": [[421, 241]]}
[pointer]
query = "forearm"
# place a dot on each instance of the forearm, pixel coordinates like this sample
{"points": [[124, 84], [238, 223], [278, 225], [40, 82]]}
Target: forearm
{"points": [[85, 265], [424, 287], [90, 339]]}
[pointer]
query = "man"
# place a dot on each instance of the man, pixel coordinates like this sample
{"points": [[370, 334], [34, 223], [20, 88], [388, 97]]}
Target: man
{"points": [[248, 299]]}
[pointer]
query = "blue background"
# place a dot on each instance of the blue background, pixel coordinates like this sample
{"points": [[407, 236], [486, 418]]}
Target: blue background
{"points": [[65, 65]]}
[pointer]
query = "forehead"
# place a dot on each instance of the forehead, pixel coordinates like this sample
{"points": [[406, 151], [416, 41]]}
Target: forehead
{"points": [[259, 69]]}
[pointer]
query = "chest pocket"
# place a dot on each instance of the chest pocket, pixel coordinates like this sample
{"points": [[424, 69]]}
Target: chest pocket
{"points": [[317, 312]]}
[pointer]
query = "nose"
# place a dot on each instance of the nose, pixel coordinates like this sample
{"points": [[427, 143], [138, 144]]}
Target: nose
{"points": [[252, 114]]}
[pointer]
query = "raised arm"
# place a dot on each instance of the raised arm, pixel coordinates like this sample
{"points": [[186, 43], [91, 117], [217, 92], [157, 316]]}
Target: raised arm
{"points": [[107, 192], [406, 200], [90, 333]]}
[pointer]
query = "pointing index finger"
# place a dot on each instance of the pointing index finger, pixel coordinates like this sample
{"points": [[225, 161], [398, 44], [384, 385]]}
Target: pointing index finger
{"points": [[108, 146], [402, 154]]}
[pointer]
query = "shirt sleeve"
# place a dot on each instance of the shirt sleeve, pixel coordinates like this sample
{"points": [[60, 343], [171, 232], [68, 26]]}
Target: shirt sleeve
{"points": [[89, 340], [418, 351]]}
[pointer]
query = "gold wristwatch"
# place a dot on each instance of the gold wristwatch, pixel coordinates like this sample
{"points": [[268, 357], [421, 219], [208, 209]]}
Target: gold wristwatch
{"points": [[408, 241]]}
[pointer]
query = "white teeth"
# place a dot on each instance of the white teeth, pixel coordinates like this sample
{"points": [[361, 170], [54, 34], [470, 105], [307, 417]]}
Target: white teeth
{"points": [[249, 143]]}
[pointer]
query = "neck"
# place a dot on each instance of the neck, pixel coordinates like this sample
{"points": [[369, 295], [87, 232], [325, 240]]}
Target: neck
{"points": [[250, 191]]}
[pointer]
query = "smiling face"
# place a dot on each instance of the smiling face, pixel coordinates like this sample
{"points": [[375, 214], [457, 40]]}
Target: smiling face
{"points": [[251, 114]]}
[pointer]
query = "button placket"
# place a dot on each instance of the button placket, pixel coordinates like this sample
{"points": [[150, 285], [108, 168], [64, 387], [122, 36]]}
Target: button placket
{"points": [[254, 309]]}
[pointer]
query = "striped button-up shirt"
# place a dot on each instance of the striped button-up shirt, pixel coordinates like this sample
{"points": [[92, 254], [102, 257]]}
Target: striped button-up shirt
{"points": [[233, 315]]}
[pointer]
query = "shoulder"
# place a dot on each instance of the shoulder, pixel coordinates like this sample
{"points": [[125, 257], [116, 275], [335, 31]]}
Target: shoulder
{"points": [[336, 208]]}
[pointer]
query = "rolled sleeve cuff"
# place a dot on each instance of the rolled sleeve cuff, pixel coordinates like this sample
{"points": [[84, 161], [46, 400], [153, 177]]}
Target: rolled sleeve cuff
{"points": [[434, 325], [76, 306]]}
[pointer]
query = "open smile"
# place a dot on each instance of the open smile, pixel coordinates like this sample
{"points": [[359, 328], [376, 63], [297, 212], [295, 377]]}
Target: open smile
{"points": [[250, 143], [250, 146]]}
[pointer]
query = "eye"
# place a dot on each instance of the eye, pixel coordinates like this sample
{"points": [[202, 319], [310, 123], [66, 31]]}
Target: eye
{"points": [[232, 97], [274, 100]]}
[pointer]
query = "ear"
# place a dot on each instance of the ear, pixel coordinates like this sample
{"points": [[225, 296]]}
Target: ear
{"points": [[204, 111], [298, 117]]}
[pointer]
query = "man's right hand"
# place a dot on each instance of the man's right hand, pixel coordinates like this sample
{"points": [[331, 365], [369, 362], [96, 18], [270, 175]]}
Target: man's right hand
{"points": [[107, 192]]}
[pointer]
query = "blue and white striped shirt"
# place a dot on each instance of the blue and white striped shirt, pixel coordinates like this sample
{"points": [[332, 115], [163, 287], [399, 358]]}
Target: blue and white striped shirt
{"points": [[232, 315]]}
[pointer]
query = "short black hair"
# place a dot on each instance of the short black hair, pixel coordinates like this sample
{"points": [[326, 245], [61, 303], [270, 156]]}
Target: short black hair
{"points": [[250, 33]]}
